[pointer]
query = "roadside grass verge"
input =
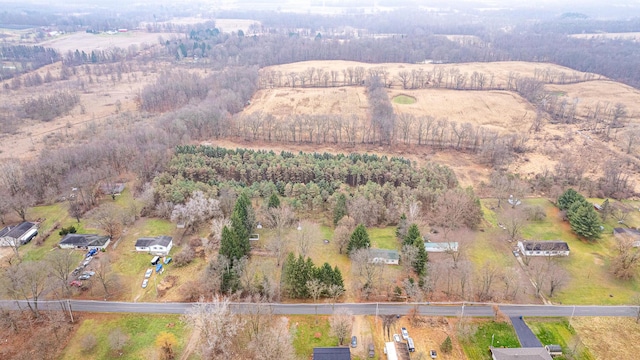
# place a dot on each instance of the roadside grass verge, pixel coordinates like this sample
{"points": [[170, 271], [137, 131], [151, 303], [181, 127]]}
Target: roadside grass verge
{"points": [[308, 335], [141, 330], [558, 332], [480, 333]]}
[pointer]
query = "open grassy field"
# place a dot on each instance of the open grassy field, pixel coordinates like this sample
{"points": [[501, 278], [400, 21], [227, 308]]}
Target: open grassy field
{"points": [[501, 111], [282, 102], [141, 332], [88, 42], [609, 337]]}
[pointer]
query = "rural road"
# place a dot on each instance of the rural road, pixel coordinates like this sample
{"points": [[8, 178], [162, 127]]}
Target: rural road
{"points": [[427, 309]]}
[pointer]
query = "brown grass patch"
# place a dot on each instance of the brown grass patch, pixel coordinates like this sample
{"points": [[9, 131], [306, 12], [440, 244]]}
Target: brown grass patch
{"points": [[610, 337]]}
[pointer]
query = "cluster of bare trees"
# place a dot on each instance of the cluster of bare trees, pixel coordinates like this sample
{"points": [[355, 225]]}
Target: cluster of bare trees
{"points": [[222, 334], [48, 107]]}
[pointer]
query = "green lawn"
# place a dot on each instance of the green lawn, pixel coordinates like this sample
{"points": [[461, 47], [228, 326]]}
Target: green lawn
{"points": [[476, 346], [384, 238], [587, 264], [142, 331], [404, 99], [307, 335], [557, 331]]}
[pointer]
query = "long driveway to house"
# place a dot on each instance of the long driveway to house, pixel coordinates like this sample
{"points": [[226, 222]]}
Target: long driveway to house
{"points": [[527, 338]]}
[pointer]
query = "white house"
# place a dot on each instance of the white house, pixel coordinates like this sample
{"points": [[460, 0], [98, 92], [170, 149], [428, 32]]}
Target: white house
{"points": [[441, 246], [159, 245], [19, 234], [389, 257], [84, 241], [543, 248]]}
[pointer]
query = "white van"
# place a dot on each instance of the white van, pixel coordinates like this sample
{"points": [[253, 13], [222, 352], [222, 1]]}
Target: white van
{"points": [[410, 345], [155, 260]]}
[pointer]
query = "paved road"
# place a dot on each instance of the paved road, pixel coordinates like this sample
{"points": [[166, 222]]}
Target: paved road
{"points": [[356, 308], [525, 335]]}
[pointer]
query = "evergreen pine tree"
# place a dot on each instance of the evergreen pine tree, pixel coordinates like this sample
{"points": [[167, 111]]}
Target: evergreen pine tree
{"points": [[229, 245], [337, 277], [586, 222], [359, 239], [568, 198], [274, 201], [446, 346], [413, 235], [340, 209], [420, 263]]}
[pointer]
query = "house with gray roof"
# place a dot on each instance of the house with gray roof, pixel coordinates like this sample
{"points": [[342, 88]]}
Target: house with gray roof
{"points": [[84, 241], [389, 257], [441, 246], [159, 245], [543, 248]]}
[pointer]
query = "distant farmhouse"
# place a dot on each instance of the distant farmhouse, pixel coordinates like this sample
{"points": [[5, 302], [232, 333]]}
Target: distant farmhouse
{"points": [[441, 246], [18, 235], [389, 257], [159, 245], [632, 234], [543, 248], [84, 241]]}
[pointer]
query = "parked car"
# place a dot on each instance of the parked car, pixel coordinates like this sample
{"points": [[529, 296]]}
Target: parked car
{"points": [[76, 283], [405, 333], [148, 273], [433, 354], [354, 341], [372, 351], [396, 338], [90, 273], [92, 252], [145, 282], [167, 260], [84, 277]]}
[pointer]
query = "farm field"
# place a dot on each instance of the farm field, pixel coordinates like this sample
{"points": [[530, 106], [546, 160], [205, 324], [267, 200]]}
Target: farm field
{"points": [[88, 42]]}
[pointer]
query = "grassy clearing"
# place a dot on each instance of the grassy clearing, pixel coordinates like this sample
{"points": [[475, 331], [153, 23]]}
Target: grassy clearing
{"points": [[476, 345], [558, 332], [307, 335], [608, 337], [587, 265], [404, 99], [142, 331], [384, 238]]}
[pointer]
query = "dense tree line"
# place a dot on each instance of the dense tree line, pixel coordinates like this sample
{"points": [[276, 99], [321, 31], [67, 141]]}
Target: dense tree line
{"points": [[26, 58]]}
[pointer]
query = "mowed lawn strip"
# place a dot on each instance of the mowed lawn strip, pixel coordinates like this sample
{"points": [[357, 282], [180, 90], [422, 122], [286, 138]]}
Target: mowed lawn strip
{"points": [[141, 330], [476, 344], [308, 335]]}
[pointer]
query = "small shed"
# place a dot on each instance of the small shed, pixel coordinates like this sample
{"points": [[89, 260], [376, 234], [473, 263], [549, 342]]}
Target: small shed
{"points": [[554, 350]]}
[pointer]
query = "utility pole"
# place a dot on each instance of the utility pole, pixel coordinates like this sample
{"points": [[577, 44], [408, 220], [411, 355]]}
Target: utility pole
{"points": [[70, 312]]}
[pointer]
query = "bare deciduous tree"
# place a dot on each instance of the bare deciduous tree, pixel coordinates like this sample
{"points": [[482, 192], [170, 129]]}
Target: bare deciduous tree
{"points": [[341, 322], [625, 264], [368, 271], [117, 340], [61, 264], [196, 210], [514, 220], [26, 281], [217, 327], [105, 276], [343, 232], [108, 217], [274, 343]]}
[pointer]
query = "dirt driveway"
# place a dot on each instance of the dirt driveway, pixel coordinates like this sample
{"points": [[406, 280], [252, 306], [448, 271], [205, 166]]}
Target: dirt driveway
{"points": [[363, 330]]}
